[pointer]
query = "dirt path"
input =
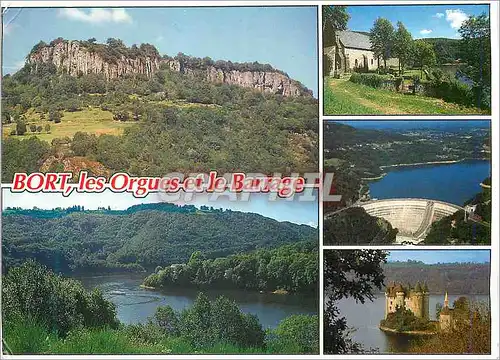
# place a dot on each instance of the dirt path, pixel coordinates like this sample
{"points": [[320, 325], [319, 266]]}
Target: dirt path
{"points": [[372, 105]]}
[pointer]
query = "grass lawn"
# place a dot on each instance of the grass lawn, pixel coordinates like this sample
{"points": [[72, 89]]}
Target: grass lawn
{"points": [[91, 120], [342, 97]]}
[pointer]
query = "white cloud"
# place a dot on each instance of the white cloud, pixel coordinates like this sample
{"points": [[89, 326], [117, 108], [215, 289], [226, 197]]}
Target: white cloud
{"points": [[438, 15], [159, 38], [456, 18], [425, 31], [97, 16]]}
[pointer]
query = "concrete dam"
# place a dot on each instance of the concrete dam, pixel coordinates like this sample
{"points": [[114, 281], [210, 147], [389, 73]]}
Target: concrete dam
{"points": [[412, 217]]}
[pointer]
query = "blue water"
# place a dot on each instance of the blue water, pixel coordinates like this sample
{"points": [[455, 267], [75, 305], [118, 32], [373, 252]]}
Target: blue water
{"points": [[405, 125], [453, 183]]}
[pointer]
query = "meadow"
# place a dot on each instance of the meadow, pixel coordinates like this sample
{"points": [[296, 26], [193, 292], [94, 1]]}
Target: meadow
{"points": [[91, 120], [342, 97]]}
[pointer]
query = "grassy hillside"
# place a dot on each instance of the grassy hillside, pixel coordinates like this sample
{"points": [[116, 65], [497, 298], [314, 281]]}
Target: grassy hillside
{"points": [[90, 120], [343, 97], [151, 126]]}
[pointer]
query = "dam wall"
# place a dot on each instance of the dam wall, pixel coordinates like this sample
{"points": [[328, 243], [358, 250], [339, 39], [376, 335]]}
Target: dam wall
{"points": [[412, 217]]}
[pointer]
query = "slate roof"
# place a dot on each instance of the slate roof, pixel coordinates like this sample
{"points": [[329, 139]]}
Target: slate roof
{"points": [[356, 40]]}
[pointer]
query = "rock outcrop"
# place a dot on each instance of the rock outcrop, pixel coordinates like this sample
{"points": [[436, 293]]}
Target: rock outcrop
{"points": [[75, 59]]}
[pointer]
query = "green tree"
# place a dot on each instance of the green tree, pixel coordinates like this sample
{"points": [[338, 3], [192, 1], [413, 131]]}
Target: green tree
{"points": [[424, 55], [476, 48], [167, 319], [229, 325], [84, 144], [298, 334], [33, 291], [382, 39], [196, 321], [20, 127], [55, 116], [403, 46], [475, 51], [348, 274], [335, 18]]}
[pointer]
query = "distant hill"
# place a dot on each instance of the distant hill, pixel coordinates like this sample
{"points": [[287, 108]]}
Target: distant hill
{"points": [[138, 238], [456, 278], [447, 50]]}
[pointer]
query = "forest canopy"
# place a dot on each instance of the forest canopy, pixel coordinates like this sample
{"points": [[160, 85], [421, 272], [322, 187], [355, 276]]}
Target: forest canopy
{"points": [[137, 238]]}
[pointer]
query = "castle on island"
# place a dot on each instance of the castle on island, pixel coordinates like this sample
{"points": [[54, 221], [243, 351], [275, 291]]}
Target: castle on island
{"points": [[416, 299]]}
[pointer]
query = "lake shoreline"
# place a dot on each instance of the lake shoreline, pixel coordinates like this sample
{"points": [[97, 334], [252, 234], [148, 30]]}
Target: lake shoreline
{"points": [[275, 292], [441, 162], [410, 332]]}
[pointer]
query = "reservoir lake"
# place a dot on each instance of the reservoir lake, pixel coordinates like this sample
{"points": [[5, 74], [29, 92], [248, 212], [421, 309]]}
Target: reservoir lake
{"points": [[452, 183], [135, 304], [365, 318]]}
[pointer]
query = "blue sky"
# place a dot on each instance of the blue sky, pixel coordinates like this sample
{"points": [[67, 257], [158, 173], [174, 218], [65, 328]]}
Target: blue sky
{"points": [[284, 37], [441, 256], [296, 210], [422, 21]]}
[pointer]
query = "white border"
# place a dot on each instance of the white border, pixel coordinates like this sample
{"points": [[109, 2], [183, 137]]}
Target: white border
{"points": [[494, 290]]}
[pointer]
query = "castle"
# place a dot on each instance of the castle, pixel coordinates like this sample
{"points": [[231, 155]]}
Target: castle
{"points": [[416, 299]]}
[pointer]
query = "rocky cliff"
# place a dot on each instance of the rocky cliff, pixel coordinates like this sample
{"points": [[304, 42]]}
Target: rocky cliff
{"points": [[81, 58], [76, 59], [274, 82]]}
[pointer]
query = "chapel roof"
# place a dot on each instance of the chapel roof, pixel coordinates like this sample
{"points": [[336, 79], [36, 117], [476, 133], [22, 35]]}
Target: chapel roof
{"points": [[355, 39]]}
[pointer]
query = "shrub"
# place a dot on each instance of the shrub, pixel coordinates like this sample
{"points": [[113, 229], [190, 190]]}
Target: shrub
{"points": [[39, 128], [452, 91], [20, 127], [33, 128], [84, 144], [55, 116], [33, 291], [372, 80], [207, 323], [298, 334]]}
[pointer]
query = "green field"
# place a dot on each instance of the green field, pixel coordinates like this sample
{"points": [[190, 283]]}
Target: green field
{"points": [[91, 120], [342, 97]]}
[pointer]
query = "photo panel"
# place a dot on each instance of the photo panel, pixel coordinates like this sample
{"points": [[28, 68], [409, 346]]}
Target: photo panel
{"points": [[408, 182], [150, 274], [407, 301], [165, 92], [407, 59], [110, 116]]}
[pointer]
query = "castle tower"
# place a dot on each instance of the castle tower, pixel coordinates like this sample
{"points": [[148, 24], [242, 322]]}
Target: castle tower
{"points": [[418, 301], [425, 293], [400, 296], [445, 317]]}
